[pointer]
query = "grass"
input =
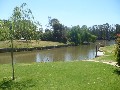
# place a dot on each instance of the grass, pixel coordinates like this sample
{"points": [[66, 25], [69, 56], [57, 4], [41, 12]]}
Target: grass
{"points": [[32, 43], [109, 53], [77, 75]]}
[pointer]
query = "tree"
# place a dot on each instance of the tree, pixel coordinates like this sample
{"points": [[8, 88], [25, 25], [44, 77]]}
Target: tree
{"points": [[25, 24], [86, 36], [117, 52], [75, 35], [47, 36], [4, 30], [104, 32], [11, 39], [59, 32], [93, 38], [117, 28], [79, 35], [21, 25]]}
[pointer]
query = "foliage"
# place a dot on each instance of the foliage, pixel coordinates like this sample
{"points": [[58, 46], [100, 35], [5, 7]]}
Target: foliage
{"points": [[4, 30], [59, 31], [103, 32], [47, 36], [117, 52], [117, 28], [79, 35], [74, 35], [93, 38], [24, 24]]}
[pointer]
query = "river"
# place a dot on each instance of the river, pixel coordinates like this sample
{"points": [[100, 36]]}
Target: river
{"points": [[81, 52]]}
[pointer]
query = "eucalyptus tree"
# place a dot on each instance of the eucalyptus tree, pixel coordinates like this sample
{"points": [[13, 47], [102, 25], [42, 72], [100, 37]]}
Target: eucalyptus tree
{"points": [[107, 31], [104, 31], [117, 28], [59, 31]]}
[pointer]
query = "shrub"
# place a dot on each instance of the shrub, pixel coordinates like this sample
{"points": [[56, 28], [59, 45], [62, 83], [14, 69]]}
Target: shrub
{"points": [[117, 52]]}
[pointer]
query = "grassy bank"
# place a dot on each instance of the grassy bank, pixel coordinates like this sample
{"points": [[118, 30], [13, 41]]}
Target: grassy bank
{"points": [[109, 53], [79, 75], [30, 44]]}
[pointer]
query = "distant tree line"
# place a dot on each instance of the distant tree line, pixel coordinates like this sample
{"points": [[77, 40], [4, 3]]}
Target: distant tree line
{"points": [[105, 31], [26, 27], [56, 31]]}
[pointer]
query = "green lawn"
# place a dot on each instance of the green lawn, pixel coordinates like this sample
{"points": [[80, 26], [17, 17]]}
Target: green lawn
{"points": [[77, 75], [109, 53], [30, 44]]}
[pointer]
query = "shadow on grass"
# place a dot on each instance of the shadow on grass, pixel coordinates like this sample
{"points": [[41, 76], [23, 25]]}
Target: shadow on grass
{"points": [[117, 71], [10, 84]]}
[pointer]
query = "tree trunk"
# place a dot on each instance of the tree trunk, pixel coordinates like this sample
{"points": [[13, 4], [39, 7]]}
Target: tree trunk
{"points": [[13, 77]]}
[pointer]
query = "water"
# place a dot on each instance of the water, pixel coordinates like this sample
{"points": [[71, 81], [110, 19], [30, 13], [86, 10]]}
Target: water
{"points": [[82, 52]]}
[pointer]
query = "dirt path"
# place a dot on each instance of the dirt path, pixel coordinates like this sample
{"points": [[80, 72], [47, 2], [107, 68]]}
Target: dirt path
{"points": [[110, 63]]}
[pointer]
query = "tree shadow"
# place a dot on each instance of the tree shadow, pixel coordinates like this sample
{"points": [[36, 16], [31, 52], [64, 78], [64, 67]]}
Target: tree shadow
{"points": [[117, 71], [10, 84], [6, 84]]}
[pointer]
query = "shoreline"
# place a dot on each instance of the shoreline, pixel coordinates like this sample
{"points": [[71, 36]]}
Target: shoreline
{"points": [[3, 50]]}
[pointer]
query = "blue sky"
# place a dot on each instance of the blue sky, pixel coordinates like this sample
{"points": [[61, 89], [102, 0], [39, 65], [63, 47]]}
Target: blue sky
{"points": [[68, 12]]}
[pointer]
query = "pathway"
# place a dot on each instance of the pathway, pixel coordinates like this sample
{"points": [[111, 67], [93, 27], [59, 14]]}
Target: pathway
{"points": [[110, 63]]}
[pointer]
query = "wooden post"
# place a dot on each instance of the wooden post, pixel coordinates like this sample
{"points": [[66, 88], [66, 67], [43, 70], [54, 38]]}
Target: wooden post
{"points": [[96, 51]]}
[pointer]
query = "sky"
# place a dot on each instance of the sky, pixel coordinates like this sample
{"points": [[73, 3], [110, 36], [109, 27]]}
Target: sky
{"points": [[68, 12]]}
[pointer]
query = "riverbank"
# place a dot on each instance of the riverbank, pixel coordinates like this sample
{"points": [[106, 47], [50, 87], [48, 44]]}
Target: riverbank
{"points": [[75, 75], [21, 45], [28, 44], [109, 54], [108, 57]]}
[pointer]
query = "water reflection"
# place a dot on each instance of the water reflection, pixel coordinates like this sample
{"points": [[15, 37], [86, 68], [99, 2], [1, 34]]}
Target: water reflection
{"points": [[59, 54], [40, 57], [68, 57]]}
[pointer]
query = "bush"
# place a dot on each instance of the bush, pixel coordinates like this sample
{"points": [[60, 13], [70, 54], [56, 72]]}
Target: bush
{"points": [[117, 53]]}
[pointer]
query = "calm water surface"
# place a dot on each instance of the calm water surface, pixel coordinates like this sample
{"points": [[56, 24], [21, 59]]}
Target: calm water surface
{"points": [[57, 54]]}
